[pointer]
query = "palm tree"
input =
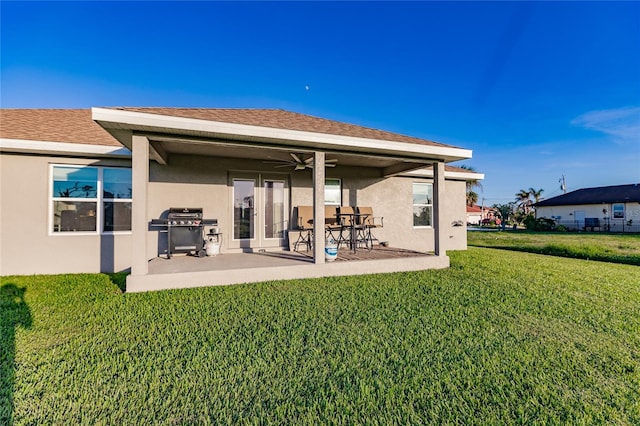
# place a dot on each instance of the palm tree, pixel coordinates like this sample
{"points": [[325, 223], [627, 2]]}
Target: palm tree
{"points": [[536, 194], [524, 202], [472, 196], [504, 212]]}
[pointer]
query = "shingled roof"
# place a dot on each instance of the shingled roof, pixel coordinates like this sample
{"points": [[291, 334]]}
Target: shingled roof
{"points": [[281, 119], [77, 126], [599, 195], [54, 125]]}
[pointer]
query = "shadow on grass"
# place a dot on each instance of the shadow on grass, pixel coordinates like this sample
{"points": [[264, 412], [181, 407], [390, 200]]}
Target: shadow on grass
{"points": [[119, 279], [14, 313]]}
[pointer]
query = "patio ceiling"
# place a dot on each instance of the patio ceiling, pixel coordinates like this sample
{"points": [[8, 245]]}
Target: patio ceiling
{"points": [[167, 146], [170, 134]]}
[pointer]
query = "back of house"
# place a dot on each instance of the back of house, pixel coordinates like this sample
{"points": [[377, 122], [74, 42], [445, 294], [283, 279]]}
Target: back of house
{"points": [[81, 188]]}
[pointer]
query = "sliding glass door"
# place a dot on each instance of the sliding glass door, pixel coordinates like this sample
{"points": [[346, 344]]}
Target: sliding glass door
{"points": [[260, 210]]}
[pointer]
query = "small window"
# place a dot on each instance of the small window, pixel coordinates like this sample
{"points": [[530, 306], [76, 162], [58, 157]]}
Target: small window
{"points": [[86, 199], [332, 192], [618, 211], [422, 205]]}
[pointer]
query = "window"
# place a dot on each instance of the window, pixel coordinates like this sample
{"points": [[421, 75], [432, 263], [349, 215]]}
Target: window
{"points": [[618, 211], [422, 204], [89, 199], [332, 192]]}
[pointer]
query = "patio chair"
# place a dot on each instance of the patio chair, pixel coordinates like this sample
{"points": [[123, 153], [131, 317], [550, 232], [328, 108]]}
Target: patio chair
{"points": [[371, 222], [344, 220], [331, 222], [305, 226], [351, 231]]}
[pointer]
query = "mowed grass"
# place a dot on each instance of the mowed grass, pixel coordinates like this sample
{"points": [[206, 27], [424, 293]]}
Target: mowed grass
{"points": [[499, 338], [617, 248]]}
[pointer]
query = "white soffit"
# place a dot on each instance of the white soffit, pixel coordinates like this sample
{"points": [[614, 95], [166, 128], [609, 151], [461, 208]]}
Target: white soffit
{"points": [[46, 147], [448, 174], [119, 119]]}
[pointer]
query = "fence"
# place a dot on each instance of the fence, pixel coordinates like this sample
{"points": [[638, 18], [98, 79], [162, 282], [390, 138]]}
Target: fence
{"points": [[599, 225]]}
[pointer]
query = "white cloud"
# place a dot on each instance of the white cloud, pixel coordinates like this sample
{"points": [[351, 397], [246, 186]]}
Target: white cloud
{"points": [[621, 123]]}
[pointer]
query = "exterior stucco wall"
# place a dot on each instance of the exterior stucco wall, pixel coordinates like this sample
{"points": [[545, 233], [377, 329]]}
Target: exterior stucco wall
{"points": [[192, 181], [26, 246], [567, 215], [392, 199], [455, 236]]}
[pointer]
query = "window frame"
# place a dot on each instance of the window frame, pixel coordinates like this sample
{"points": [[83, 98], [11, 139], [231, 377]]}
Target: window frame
{"points": [[414, 205], [613, 211], [100, 200], [339, 191]]}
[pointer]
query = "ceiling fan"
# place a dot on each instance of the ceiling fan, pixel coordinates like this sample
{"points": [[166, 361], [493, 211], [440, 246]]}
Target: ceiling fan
{"points": [[298, 162]]}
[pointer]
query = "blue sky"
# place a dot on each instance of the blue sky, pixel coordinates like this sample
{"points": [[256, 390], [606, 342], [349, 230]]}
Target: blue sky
{"points": [[536, 90]]}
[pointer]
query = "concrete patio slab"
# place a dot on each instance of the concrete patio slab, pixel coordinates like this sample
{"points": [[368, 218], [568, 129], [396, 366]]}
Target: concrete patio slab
{"points": [[238, 268]]}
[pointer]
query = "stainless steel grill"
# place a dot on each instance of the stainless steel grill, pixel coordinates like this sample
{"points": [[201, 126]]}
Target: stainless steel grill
{"points": [[185, 228]]}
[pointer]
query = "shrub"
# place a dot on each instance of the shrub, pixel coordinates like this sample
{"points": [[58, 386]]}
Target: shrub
{"points": [[540, 224]]}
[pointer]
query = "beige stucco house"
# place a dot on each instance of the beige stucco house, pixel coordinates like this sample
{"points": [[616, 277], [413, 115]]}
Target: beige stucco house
{"points": [[605, 208], [80, 190]]}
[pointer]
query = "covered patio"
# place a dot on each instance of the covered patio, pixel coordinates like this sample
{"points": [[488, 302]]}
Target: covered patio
{"points": [[166, 144], [238, 268]]}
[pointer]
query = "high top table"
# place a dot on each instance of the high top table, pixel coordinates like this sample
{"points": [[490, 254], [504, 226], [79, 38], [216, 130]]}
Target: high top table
{"points": [[354, 218]]}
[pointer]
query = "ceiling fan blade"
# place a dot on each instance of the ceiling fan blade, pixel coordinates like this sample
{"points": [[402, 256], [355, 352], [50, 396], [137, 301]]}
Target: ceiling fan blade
{"points": [[295, 157], [281, 166], [333, 160], [329, 165], [309, 160]]}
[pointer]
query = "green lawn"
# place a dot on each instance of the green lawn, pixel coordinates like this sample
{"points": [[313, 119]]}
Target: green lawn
{"points": [[617, 248], [499, 338]]}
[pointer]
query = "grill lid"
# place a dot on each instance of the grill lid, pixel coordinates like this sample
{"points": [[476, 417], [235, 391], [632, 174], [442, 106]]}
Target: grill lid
{"points": [[184, 213]]}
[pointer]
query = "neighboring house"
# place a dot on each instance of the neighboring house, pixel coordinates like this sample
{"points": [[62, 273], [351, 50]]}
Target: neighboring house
{"points": [[606, 208], [80, 188], [474, 215], [477, 215]]}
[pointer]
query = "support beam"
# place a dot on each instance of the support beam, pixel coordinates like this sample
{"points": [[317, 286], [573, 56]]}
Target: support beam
{"points": [[157, 153], [438, 208], [402, 167], [318, 207], [140, 183]]}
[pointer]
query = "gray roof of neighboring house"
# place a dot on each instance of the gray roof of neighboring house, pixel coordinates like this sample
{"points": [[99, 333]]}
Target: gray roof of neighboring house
{"points": [[599, 195]]}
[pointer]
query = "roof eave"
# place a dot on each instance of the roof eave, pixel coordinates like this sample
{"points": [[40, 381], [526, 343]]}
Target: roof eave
{"points": [[62, 148], [116, 121], [452, 175]]}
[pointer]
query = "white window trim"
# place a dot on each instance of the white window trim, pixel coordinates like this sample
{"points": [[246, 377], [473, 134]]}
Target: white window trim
{"points": [[340, 191], [99, 200], [256, 188], [613, 211], [414, 205]]}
